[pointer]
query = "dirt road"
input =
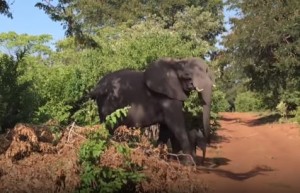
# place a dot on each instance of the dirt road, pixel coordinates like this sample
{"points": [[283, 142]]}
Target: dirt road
{"points": [[254, 155]]}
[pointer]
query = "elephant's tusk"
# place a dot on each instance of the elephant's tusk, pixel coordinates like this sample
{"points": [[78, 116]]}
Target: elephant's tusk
{"points": [[199, 90], [214, 85]]}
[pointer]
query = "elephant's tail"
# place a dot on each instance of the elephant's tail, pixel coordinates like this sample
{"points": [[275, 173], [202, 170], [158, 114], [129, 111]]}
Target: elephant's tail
{"points": [[93, 94]]}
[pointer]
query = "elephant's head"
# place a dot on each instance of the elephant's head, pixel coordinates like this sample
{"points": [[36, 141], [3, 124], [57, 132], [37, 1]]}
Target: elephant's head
{"points": [[176, 78]]}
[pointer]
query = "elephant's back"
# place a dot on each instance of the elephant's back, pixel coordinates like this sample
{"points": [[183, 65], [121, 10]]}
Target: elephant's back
{"points": [[115, 81], [128, 84]]}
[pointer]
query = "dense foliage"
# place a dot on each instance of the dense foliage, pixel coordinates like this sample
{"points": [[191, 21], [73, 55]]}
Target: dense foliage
{"points": [[259, 67], [17, 102], [4, 8], [58, 81], [264, 45], [260, 53], [83, 18], [248, 101], [101, 178], [297, 116]]}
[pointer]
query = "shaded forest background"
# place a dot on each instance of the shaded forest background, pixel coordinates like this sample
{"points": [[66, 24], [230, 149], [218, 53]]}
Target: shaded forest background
{"points": [[257, 66]]}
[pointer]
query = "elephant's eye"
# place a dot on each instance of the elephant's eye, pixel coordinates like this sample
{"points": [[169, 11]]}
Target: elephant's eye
{"points": [[186, 75], [199, 68]]}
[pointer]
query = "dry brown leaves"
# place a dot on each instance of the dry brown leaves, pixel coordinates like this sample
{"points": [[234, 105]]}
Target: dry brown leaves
{"points": [[161, 174], [29, 162], [166, 176], [123, 133], [27, 139], [112, 158]]}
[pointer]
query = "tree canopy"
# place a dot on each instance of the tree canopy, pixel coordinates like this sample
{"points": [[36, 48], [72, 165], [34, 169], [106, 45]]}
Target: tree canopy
{"points": [[84, 18], [265, 45], [261, 53], [4, 8], [58, 80]]}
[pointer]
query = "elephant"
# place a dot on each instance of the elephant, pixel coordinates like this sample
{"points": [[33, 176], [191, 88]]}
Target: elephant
{"points": [[195, 134], [156, 95]]}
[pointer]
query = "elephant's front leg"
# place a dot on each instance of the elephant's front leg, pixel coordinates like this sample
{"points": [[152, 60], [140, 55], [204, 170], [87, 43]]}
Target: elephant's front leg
{"points": [[163, 135], [175, 144], [174, 120]]}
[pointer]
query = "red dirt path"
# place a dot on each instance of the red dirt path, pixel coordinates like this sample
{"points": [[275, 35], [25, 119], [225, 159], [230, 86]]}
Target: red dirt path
{"points": [[252, 155]]}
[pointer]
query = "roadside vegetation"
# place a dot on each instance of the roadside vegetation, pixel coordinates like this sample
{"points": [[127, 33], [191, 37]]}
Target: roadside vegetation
{"points": [[256, 69]]}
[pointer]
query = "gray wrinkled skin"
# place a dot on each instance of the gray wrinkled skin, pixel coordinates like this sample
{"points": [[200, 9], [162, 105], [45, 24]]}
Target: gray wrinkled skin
{"points": [[156, 96]]}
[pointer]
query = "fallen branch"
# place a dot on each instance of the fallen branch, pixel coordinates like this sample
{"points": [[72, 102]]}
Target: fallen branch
{"points": [[183, 154], [71, 132]]}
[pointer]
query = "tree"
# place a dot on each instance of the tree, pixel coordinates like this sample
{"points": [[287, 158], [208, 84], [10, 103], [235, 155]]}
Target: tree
{"points": [[82, 19], [18, 96], [4, 8], [66, 11], [17, 100], [265, 44], [14, 43], [60, 80]]}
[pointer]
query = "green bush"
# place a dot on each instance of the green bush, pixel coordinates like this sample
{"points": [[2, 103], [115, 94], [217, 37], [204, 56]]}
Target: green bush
{"points": [[297, 115], [282, 109], [55, 87], [18, 100], [87, 114], [64, 79], [248, 101], [219, 102], [104, 179], [292, 100], [62, 91]]}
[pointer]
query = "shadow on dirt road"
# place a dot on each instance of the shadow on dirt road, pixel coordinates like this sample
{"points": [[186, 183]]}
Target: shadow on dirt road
{"points": [[259, 170], [273, 118], [260, 120], [212, 162]]}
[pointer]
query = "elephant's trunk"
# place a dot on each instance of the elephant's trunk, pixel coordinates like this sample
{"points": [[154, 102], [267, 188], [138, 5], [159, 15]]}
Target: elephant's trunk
{"points": [[206, 94], [204, 84], [206, 121]]}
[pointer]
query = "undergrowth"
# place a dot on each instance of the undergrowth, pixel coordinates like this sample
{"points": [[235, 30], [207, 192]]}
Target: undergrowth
{"points": [[101, 171]]}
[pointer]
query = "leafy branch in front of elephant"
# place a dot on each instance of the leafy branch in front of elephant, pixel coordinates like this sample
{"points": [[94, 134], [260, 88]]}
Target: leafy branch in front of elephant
{"points": [[112, 119], [106, 165], [192, 109]]}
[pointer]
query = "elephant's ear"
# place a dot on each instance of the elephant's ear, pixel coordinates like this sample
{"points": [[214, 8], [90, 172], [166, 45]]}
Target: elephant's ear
{"points": [[161, 77]]}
